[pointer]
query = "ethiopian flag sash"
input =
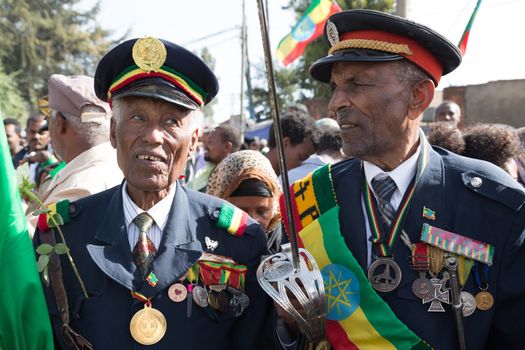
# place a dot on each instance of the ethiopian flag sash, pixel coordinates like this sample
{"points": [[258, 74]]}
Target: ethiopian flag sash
{"points": [[357, 318]]}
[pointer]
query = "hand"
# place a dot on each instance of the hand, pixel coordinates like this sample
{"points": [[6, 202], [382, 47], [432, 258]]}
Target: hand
{"points": [[36, 157], [286, 317]]}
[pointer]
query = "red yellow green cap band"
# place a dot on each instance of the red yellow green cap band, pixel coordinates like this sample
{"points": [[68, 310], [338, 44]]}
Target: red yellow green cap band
{"points": [[133, 73], [392, 43]]}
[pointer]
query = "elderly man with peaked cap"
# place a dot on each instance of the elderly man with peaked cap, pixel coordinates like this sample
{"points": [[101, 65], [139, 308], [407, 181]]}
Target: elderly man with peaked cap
{"points": [[79, 128], [409, 216], [163, 266]]}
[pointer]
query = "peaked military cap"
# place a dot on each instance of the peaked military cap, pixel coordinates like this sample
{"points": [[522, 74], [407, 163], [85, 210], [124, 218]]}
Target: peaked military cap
{"points": [[373, 36], [155, 68]]}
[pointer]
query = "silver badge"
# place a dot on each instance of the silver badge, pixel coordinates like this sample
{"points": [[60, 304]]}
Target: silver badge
{"points": [[422, 287], [210, 243], [437, 296], [332, 33], [384, 274], [468, 304], [200, 296]]}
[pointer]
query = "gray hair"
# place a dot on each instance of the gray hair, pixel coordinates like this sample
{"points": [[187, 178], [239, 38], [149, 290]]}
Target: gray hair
{"points": [[93, 133], [197, 115], [409, 72]]}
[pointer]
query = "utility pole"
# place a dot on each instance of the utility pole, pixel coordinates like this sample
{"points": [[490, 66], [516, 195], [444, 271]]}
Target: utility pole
{"points": [[402, 8], [243, 66]]}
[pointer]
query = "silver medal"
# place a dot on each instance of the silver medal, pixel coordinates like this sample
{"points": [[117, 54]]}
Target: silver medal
{"points": [[468, 303], [422, 287], [200, 296], [384, 274], [437, 296]]}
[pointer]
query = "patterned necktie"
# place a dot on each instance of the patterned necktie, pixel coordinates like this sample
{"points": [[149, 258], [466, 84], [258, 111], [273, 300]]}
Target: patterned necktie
{"points": [[384, 189], [144, 251]]}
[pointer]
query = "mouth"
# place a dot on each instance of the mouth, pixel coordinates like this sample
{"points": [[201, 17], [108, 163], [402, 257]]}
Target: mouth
{"points": [[347, 126], [150, 157]]}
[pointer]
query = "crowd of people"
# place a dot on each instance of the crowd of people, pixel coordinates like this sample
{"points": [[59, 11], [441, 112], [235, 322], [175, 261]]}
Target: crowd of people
{"points": [[167, 224]]}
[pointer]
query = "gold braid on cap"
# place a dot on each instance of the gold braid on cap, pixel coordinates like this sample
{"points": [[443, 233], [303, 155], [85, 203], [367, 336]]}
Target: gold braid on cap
{"points": [[372, 45]]}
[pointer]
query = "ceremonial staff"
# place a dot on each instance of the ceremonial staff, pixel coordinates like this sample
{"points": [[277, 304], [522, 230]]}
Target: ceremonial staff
{"points": [[277, 275]]}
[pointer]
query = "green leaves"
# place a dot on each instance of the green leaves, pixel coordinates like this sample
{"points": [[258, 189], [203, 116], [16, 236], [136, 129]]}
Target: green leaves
{"points": [[61, 249], [45, 250]]}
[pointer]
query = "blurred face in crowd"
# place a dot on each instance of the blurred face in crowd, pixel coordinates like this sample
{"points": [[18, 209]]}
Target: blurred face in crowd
{"points": [[259, 208], [372, 108], [153, 139], [449, 113], [297, 154], [13, 138], [216, 149], [36, 139]]}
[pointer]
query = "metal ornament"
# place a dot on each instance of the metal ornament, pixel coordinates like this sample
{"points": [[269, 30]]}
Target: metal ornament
{"points": [[422, 287], [148, 326], [149, 54], [210, 243], [177, 292], [484, 300], [279, 270], [331, 33], [200, 296], [437, 297], [468, 303], [305, 284], [384, 274]]}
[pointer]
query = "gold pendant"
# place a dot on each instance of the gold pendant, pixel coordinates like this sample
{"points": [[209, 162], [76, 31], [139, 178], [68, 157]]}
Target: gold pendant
{"points": [[149, 54], [484, 300], [148, 326]]}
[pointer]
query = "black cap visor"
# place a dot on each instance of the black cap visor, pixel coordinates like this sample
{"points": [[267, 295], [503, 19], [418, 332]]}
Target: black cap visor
{"points": [[159, 88], [322, 68]]}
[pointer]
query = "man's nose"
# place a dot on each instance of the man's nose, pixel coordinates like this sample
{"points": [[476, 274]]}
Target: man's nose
{"points": [[338, 101]]}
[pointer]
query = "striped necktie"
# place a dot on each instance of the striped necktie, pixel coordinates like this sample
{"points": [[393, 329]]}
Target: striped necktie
{"points": [[384, 187], [144, 251]]}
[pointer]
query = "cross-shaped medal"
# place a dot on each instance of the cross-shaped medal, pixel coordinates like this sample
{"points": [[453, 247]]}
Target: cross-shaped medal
{"points": [[437, 297]]}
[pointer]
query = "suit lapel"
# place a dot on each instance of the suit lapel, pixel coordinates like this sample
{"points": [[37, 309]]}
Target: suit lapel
{"points": [[179, 248], [351, 213], [113, 255]]}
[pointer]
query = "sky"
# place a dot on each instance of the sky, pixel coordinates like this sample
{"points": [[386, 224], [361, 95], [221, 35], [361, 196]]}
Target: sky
{"points": [[495, 50]]}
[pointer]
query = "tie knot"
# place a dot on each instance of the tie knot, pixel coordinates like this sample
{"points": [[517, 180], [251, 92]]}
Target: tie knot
{"points": [[384, 187], [143, 222]]}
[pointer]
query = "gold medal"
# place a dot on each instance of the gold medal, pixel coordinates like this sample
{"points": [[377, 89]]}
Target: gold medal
{"points": [[149, 54], [484, 300], [148, 326]]}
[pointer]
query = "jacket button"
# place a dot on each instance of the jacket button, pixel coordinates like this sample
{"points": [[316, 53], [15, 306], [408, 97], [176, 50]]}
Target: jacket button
{"points": [[476, 182], [215, 214]]}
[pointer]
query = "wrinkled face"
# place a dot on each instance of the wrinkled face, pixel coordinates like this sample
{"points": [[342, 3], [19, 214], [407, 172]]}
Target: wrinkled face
{"points": [[297, 154], [153, 139], [371, 105], [449, 113], [36, 140], [13, 138], [259, 208], [215, 148]]}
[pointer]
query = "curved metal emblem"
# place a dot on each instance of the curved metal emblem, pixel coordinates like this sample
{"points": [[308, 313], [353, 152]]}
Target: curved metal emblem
{"points": [[149, 54], [384, 274], [279, 279], [331, 33]]}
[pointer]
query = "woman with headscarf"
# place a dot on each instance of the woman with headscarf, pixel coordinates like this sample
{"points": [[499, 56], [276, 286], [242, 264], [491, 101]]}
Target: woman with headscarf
{"points": [[246, 179]]}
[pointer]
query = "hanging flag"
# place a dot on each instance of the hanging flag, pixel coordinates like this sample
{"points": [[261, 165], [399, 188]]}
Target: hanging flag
{"points": [[309, 27], [24, 319], [464, 38]]}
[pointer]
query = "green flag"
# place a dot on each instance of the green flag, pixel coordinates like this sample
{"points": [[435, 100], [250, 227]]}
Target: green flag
{"points": [[24, 319]]}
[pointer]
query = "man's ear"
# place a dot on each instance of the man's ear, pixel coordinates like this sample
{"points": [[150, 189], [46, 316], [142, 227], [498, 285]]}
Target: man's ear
{"points": [[229, 147], [287, 142], [60, 123], [422, 93], [194, 141], [112, 138]]}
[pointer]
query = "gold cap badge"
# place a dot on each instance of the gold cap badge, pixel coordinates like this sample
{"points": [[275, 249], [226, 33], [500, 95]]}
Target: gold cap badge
{"points": [[149, 54]]}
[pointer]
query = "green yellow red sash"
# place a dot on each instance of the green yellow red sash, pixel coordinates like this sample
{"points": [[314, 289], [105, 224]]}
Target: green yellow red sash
{"points": [[357, 318]]}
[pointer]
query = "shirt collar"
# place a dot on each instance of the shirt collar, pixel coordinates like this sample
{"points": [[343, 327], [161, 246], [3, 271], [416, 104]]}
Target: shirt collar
{"points": [[402, 175], [159, 212]]}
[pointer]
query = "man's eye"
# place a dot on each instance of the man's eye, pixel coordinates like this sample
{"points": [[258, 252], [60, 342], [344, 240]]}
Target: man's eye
{"points": [[136, 117]]}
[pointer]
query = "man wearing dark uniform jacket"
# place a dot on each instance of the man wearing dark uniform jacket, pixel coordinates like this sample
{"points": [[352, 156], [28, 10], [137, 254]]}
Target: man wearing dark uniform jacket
{"points": [[164, 267], [383, 71]]}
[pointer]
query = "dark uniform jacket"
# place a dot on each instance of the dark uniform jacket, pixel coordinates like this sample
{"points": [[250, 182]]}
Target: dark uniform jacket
{"points": [[100, 248], [492, 212]]}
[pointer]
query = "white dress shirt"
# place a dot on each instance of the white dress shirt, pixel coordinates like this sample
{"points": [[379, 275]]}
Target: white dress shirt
{"points": [[402, 176], [159, 212]]}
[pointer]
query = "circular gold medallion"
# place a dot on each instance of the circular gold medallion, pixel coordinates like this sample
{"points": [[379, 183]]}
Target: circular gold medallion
{"points": [[148, 326], [149, 54], [177, 292], [484, 300]]}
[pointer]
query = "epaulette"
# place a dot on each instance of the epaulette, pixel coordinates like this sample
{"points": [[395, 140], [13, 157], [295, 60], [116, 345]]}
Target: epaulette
{"points": [[57, 214], [495, 190], [231, 219]]}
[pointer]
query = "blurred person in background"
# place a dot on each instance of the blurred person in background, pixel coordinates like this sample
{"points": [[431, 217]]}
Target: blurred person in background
{"points": [[448, 112], [520, 159], [14, 136], [329, 150], [246, 179], [446, 136], [496, 144], [299, 137]]}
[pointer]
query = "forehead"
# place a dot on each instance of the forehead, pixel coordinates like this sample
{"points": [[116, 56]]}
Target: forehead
{"points": [[35, 124]]}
